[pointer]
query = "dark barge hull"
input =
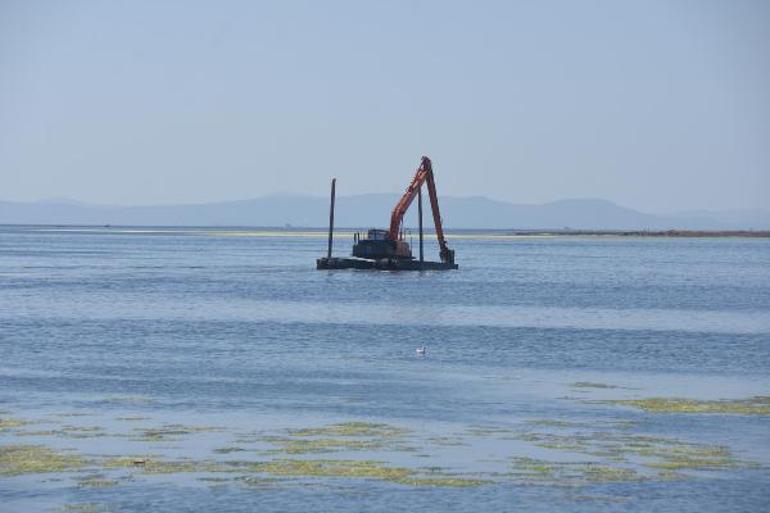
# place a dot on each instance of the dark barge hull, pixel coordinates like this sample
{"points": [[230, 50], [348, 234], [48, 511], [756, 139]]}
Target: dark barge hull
{"points": [[387, 264]]}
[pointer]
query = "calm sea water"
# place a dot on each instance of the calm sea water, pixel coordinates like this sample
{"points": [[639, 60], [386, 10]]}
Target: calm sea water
{"points": [[125, 330]]}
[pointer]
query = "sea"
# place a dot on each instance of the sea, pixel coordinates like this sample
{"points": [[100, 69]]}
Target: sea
{"points": [[215, 369]]}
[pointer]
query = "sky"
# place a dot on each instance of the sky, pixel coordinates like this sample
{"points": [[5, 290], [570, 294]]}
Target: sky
{"points": [[658, 105]]}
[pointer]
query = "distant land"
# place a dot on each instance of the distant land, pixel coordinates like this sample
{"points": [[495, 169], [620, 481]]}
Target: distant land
{"points": [[373, 210]]}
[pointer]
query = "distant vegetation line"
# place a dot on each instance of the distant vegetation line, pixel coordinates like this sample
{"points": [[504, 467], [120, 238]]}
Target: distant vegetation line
{"points": [[652, 233]]}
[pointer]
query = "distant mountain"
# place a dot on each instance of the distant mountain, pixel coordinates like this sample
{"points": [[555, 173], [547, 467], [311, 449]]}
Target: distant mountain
{"points": [[370, 210]]}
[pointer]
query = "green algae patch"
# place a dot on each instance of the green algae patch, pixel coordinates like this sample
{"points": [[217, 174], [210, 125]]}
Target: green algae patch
{"points": [[653, 451], [33, 459], [43, 432], [86, 507], [759, 405], [68, 432], [363, 429], [485, 431], [683, 462], [9, 423], [358, 469], [694, 457], [340, 437], [170, 432], [262, 483], [573, 443], [620, 456], [670, 475], [366, 469], [606, 473], [533, 468], [96, 481], [157, 466], [589, 384], [447, 441], [320, 445], [570, 473], [82, 431], [228, 450], [443, 482]]}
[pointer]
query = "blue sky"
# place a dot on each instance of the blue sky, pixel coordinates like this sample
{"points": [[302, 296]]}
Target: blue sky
{"points": [[659, 105]]}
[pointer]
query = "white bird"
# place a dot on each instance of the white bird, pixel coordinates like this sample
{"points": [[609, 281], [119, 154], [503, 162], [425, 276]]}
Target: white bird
{"points": [[421, 350]]}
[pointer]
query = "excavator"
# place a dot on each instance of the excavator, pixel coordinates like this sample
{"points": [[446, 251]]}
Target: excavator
{"points": [[389, 245]]}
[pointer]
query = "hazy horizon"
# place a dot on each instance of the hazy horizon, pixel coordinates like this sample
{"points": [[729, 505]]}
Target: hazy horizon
{"points": [[285, 194], [659, 106], [367, 210]]}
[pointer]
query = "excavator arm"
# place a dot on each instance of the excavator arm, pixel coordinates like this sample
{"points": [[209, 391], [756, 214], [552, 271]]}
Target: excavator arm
{"points": [[423, 175]]}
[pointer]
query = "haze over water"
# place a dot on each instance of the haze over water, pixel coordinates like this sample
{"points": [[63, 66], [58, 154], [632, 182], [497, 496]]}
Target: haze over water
{"points": [[212, 351]]}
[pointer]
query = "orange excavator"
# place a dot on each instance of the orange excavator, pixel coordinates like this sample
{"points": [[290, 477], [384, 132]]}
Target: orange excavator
{"points": [[390, 244]]}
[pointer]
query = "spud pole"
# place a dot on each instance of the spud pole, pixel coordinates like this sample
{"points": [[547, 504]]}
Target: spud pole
{"points": [[331, 220]]}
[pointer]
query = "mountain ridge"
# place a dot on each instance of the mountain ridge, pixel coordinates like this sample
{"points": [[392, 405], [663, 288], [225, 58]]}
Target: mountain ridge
{"points": [[373, 209]]}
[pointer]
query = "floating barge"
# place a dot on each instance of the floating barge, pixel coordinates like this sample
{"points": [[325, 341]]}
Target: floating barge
{"points": [[382, 264], [387, 249]]}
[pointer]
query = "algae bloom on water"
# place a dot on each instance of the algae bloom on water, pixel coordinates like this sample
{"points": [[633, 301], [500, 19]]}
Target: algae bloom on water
{"points": [[359, 469], [159, 466], [369, 429], [590, 384], [312, 445], [7, 423], [29, 459], [331, 468], [759, 405], [97, 481], [565, 473]]}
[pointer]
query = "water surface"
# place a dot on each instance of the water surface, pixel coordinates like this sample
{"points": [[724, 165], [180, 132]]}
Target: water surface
{"points": [[240, 337]]}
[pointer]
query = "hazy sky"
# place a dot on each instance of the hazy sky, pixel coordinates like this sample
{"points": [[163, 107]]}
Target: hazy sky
{"points": [[658, 105]]}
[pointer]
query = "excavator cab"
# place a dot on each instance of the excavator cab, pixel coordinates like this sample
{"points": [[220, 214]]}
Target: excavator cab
{"points": [[378, 245]]}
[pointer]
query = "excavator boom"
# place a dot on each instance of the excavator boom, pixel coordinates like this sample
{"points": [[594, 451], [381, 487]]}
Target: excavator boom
{"points": [[424, 175]]}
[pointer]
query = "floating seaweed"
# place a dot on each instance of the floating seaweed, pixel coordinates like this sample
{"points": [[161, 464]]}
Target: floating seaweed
{"points": [[150, 465], [32, 459], [357, 469], [758, 405], [96, 481], [369, 429], [87, 507], [590, 384], [9, 423], [170, 432], [316, 445], [570, 473], [228, 450]]}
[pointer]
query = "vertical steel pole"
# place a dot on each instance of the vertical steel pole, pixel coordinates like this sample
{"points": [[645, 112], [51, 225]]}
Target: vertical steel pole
{"points": [[419, 215], [331, 220]]}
